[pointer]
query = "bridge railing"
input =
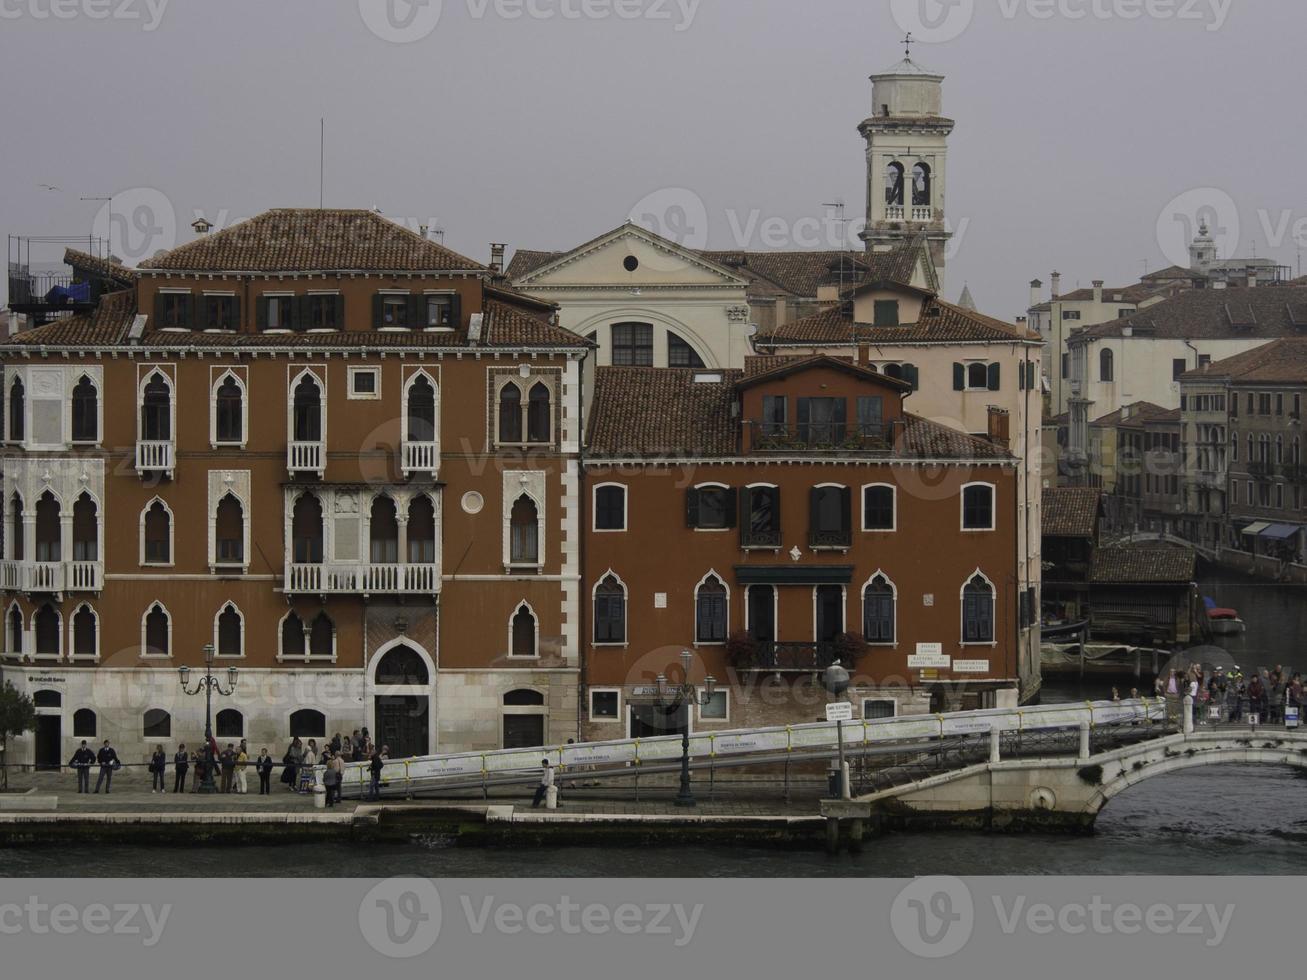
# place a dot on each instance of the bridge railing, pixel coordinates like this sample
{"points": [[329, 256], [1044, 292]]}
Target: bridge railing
{"points": [[762, 742]]}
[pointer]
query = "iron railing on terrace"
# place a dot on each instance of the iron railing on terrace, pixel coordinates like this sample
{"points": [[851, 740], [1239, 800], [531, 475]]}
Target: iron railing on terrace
{"points": [[844, 438]]}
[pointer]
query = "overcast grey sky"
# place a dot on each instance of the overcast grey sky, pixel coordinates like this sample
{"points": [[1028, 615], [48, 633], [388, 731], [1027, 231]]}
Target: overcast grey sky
{"points": [[543, 130]]}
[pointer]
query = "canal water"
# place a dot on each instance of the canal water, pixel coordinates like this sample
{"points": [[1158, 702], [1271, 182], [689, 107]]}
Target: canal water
{"points": [[1219, 821]]}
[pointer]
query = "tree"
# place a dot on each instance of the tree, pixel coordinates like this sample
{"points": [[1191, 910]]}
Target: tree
{"points": [[17, 717]]}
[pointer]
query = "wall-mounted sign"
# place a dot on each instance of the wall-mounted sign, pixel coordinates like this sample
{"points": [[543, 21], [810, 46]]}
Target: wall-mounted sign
{"points": [[971, 667], [930, 655]]}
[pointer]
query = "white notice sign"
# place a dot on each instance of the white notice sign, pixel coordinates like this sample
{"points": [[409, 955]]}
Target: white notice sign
{"points": [[971, 667], [930, 656], [839, 711]]}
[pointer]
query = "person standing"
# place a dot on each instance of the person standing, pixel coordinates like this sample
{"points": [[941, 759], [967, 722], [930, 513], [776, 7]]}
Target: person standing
{"points": [[181, 764], [332, 777], [546, 783], [375, 765], [263, 766], [108, 760], [242, 763], [227, 762], [81, 762], [158, 766]]}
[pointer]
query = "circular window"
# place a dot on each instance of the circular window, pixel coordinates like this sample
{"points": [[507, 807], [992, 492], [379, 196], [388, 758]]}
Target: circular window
{"points": [[631, 263], [473, 502]]}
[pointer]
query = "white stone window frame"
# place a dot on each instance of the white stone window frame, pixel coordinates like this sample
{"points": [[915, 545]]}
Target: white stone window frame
{"points": [[218, 374], [20, 654], [71, 644], [712, 574], [295, 373], [390, 294], [17, 375], [144, 373], [894, 522], [626, 612], [520, 711], [237, 484], [626, 508], [993, 508], [535, 636], [879, 573], [590, 705], [775, 606], [278, 295], [865, 700], [58, 656], [532, 484], [728, 490], [172, 535], [844, 609], [354, 371], [145, 616], [217, 647], [724, 693], [409, 382], [318, 294], [70, 550], [15, 524], [993, 612], [216, 294], [968, 387], [525, 381], [307, 627], [95, 375]]}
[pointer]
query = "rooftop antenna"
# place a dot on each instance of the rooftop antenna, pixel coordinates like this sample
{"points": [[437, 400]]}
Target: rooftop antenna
{"points": [[838, 207], [322, 160]]}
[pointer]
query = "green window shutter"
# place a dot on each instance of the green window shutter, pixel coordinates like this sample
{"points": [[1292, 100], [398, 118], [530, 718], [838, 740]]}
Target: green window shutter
{"points": [[995, 377], [732, 510], [456, 311], [912, 376], [262, 302], [378, 311], [417, 311], [188, 311], [235, 313], [959, 377], [340, 312], [846, 516], [692, 508], [158, 310]]}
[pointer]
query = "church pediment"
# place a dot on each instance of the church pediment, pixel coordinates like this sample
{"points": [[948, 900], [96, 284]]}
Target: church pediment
{"points": [[631, 257]]}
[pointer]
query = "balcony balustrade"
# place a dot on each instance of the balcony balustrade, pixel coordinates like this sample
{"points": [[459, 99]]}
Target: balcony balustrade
{"points": [[421, 457], [156, 456], [363, 578], [306, 457], [52, 576]]}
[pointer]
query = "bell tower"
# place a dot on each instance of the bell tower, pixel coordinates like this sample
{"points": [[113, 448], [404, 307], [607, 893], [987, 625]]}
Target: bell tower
{"points": [[907, 159]]}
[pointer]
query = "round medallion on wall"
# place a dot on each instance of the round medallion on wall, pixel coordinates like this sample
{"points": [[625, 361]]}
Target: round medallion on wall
{"points": [[473, 502]]}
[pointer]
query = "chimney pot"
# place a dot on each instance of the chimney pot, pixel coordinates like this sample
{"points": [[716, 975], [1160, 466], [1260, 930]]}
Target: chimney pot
{"points": [[497, 257]]}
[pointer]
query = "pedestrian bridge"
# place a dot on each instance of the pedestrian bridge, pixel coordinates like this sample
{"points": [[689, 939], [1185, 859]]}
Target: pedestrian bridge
{"points": [[884, 753], [1063, 791]]}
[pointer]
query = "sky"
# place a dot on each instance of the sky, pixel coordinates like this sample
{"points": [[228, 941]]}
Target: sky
{"points": [[1090, 133]]}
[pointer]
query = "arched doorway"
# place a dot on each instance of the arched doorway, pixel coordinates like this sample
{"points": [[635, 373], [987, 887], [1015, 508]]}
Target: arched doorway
{"points": [[402, 683]]}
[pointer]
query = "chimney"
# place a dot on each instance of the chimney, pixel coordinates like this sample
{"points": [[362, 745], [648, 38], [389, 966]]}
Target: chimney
{"points": [[1000, 427], [1252, 278], [497, 258], [1098, 290], [1057, 284], [1036, 292], [828, 292], [201, 226]]}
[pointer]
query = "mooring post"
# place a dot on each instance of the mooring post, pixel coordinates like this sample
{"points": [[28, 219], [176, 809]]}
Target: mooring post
{"points": [[833, 835], [1188, 714], [1084, 741]]}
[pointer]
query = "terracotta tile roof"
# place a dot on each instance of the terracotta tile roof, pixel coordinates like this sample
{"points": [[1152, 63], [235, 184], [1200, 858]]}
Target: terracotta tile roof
{"points": [[1268, 312], [896, 265], [660, 412], [103, 268], [504, 326], [940, 322], [525, 261], [1071, 512], [1281, 361], [1139, 412], [107, 325], [1155, 564], [303, 240], [1173, 272], [665, 413]]}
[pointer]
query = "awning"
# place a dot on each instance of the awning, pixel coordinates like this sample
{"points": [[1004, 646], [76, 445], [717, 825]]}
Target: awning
{"points": [[1254, 530], [1281, 532], [794, 574]]}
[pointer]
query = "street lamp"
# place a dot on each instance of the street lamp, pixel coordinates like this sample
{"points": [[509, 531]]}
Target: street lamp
{"points": [[682, 696], [208, 684]]}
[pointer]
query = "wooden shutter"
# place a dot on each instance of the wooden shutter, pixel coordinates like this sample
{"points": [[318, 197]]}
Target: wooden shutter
{"points": [[456, 311], [814, 504], [262, 302], [732, 510], [417, 311], [235, 313], [339, 321], [158, 310], [959, 377], [912, 376], [692, 508], [846, 515], [995, 377], [378, 311]]}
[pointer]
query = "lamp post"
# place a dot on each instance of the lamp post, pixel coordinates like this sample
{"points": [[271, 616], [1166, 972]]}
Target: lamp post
{"points": [[208, 684], [682, 696]]}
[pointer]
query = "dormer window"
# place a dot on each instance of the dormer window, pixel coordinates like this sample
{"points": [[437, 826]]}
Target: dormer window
{"points": [[278, 312], [440, 312], [174, 311], [887, 313], [219, 313], [326, 312]]}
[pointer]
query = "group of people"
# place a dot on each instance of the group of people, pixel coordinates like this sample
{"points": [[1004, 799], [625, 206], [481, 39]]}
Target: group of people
{"points": [[301, 758], [1231, 696], [230, 768]]}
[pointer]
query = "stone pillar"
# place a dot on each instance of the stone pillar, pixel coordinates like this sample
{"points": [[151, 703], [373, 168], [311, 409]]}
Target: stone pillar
{"points": [[1084, 741], [995, 746], [1188, 715]]}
